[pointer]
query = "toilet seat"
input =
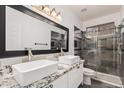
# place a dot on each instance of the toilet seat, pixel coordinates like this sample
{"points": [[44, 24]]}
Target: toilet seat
{"points": [[88, 74], [88, 71]]}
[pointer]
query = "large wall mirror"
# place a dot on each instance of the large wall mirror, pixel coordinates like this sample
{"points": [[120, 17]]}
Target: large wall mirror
{"points": [[22, 28]]}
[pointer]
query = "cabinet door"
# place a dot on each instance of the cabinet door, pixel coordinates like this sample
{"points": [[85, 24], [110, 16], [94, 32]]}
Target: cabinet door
{"points": [[61, 82], [75, 77]]}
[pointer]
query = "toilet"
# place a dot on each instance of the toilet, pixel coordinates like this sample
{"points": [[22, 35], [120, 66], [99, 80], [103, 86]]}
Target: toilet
{"points": [[88, 73]]}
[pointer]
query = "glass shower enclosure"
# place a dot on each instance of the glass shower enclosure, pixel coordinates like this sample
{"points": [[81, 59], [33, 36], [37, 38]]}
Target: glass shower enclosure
{"points": [[100, 49]]}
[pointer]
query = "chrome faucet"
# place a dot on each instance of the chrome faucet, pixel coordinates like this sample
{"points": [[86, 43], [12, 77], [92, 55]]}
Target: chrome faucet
{"points": [[59, 54], [62, 52], [30, 55]]}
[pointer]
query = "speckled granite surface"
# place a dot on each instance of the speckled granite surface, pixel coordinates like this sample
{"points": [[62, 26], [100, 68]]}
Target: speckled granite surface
{"points": [[8, 81]]}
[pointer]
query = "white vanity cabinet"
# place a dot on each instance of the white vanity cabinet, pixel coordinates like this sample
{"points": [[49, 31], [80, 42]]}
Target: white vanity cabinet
{"points": [[61, 82], [72, 79], [75, 77]]}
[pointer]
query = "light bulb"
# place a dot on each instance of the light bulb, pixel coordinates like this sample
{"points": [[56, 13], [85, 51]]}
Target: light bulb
{"points": [[53, 12], [46, 9], [59, 16]]}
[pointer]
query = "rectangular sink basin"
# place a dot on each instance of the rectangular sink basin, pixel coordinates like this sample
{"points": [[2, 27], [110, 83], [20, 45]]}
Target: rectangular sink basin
{"points": [[69, 59], [27, 73]]}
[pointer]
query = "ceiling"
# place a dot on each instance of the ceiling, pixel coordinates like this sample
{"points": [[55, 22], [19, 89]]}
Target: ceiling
{"points": [[94, 11]]}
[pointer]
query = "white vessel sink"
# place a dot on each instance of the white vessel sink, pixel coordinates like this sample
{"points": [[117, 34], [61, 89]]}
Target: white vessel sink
{"points": [[27, 73], [69, 59]]}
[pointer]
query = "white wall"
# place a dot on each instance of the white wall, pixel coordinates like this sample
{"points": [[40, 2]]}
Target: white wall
{"points": [[69, 19], [115, 17]]}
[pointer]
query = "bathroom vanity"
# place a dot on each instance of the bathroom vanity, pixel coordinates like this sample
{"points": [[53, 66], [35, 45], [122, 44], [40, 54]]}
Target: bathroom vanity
{"points": [[71, 79], [66, 77]]}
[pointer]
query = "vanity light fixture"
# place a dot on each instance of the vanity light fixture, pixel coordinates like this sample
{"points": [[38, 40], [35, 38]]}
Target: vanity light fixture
{"points": [[46, 9], [51, 12], [59, 16]]}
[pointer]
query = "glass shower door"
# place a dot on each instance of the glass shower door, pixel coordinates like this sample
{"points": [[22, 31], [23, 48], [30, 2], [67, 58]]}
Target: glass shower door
{"points": [[89, 49], [89, 53], [107, 55], [101, 49]]}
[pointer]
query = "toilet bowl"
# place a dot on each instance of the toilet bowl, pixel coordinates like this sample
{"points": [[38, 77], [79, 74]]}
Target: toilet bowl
{"points": [[88, 73]]}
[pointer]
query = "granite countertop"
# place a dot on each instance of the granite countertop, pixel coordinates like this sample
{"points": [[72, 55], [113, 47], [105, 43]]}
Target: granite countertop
{"points": [[8, 80]]}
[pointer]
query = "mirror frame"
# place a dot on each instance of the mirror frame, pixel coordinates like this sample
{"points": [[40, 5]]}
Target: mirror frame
{"points": [[23, 9]]}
